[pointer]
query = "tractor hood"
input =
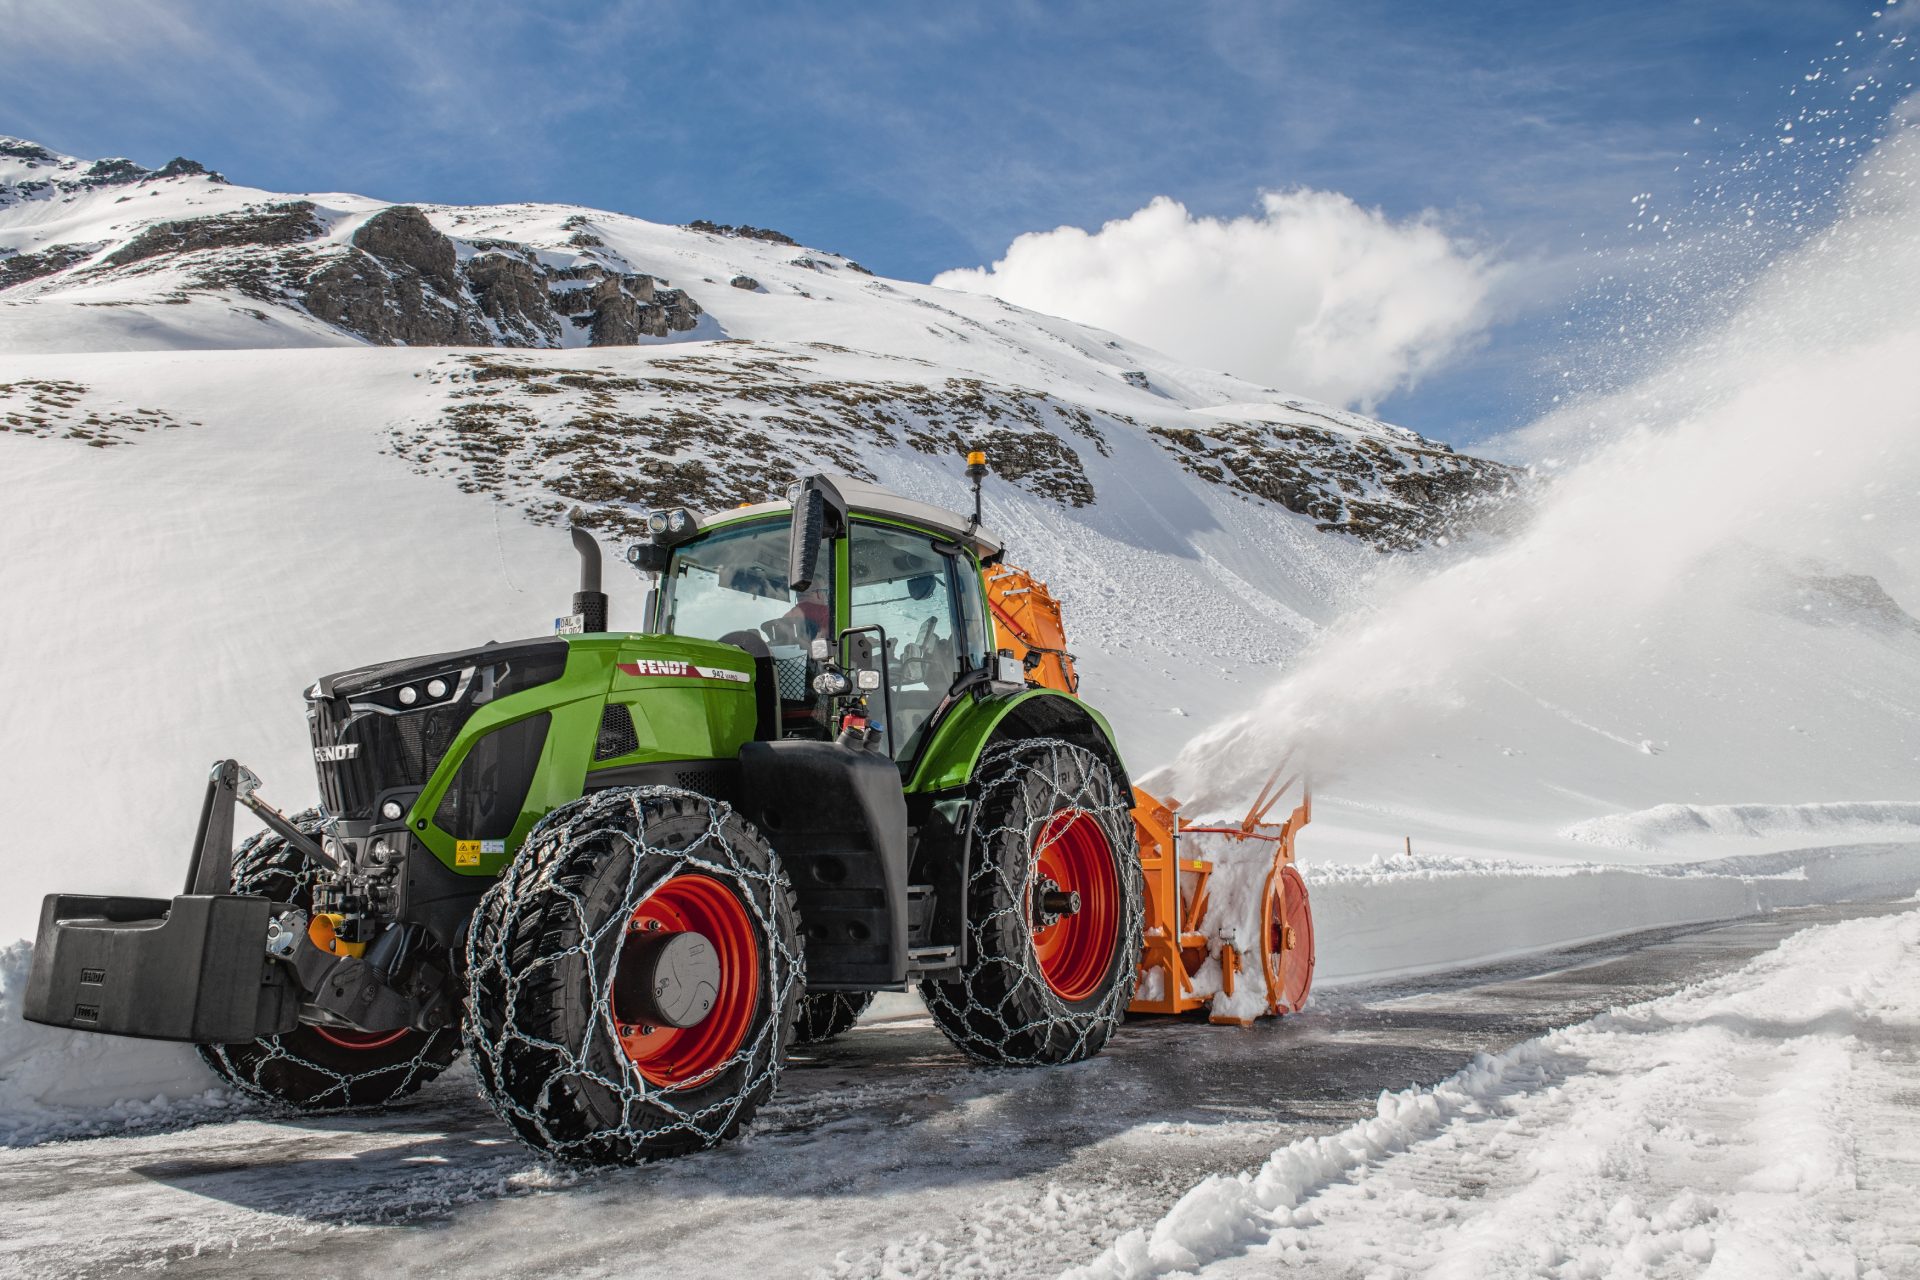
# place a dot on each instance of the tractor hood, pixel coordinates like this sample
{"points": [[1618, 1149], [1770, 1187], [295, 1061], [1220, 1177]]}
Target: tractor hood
{"points": [[531, 661], [382, 728]]}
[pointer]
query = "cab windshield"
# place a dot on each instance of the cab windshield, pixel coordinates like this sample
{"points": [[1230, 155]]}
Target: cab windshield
{"points": [[731, 586]]}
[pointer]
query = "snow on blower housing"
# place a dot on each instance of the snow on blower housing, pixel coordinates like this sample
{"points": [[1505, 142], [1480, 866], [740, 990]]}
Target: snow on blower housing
{"points": [[626, 872]]}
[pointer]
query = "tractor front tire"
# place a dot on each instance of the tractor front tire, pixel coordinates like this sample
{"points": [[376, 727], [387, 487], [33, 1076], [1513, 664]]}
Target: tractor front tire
{"points": [[1053, 909], [827, 1014], [313, 1068], [633, 978]]}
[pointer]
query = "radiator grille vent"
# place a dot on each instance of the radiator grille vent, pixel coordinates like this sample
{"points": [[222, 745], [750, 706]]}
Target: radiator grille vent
{"points": [[617, 737]]}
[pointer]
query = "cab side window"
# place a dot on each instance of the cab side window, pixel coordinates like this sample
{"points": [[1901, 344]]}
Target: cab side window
{"points": [[903, 583]]}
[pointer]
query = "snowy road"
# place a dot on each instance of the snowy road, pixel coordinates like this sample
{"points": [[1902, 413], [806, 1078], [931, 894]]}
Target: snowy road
{"points": [[885, 1154]]}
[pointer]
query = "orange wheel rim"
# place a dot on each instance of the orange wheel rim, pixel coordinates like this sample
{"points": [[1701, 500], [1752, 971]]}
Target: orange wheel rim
{"points": [[1290, 972], [348, 1038], [1076, 950], [676, 1057]]}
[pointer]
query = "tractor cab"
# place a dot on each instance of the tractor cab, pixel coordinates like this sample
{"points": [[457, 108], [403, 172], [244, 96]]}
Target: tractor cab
{"points": [[892, 586]]}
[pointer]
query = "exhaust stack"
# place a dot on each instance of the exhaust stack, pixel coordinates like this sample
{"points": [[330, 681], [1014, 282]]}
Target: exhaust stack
{"points": [[590, 602]]}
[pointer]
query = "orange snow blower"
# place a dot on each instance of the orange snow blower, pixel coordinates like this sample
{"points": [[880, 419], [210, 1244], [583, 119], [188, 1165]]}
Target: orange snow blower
{"points": [[1252, 954], [1228, 923]]}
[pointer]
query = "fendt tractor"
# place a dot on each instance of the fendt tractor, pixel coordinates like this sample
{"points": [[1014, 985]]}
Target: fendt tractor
{"points": [[628, 872]]}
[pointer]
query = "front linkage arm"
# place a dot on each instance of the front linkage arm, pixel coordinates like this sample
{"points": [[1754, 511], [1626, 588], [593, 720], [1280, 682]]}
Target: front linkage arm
{"points": [[231, 782]]}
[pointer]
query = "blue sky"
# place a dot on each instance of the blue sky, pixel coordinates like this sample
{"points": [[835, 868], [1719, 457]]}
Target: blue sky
{"points": [[917, 138]]}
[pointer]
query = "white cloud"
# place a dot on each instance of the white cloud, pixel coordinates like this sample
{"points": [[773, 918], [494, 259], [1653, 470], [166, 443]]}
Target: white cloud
{"points": [[1314, 294]]}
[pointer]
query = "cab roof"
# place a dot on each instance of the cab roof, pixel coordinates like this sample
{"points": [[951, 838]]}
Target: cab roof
{"points": [[876, 500]]}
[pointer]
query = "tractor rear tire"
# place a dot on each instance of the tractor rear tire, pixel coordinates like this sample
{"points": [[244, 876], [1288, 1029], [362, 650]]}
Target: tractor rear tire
{"points": [[633, 978], [311, 1068], [1053, 909], [827, 1014]]}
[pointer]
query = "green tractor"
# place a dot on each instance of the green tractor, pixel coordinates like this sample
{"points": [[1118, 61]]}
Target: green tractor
{"points": [[628, 872]]}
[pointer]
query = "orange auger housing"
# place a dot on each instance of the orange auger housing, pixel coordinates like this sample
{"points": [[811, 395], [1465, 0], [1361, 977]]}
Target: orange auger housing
{"points": [[1243, 953], [1026, 618], [1246, 953]]}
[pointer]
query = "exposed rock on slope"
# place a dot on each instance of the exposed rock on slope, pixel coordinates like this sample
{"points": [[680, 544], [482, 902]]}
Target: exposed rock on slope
{"points": [[22, 267], [713, 432], [395, 279], [274, 224], [56, 409], [1395, 496]]}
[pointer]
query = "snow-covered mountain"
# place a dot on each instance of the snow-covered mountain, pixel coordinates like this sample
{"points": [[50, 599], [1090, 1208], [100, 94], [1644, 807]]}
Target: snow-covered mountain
{"points": [[800, 357], [276, 435]]}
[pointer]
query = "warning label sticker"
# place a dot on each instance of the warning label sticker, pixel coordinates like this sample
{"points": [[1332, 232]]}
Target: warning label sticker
{"points": [[467, 853]]}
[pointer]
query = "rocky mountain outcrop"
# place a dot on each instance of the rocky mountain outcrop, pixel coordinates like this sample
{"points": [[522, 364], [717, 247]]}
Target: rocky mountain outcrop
{"points": [[742, 232], [1396, 496], [397, 279], [731, 425], [271, 225], [52, 173], [711, 432], [22, 267]]}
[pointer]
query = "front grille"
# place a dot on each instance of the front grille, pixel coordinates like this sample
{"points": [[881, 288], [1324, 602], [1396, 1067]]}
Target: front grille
{"points": [[346, 786], [388, 751]]}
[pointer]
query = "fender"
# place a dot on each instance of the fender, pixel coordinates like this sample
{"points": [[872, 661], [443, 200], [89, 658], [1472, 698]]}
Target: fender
{"points": [[948, 761]]}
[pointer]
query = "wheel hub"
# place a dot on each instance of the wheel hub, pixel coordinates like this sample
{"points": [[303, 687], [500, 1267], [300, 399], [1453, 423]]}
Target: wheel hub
{"points": [[1050, 902], [671, 979], [688, 981]]}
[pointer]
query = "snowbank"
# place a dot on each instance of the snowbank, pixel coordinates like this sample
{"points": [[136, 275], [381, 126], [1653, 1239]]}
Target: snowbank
{"points": [[1665, 826], [1757, 1122], [1414, 915], [65, 1083]]}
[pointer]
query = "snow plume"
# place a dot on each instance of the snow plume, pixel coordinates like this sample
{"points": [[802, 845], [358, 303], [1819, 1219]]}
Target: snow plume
{"points": [[1789, 433], [1314, 294]]}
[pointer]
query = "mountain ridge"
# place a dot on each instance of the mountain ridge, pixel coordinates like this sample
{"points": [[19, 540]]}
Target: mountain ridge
{"points": [[804, 357]]}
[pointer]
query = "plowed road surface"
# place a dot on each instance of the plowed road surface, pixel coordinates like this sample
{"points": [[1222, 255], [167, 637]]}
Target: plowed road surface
{"points": [[884, 1153]]}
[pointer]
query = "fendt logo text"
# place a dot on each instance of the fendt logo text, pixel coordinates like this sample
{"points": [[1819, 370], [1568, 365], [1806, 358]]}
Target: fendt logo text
{"points": [[335, 754]]}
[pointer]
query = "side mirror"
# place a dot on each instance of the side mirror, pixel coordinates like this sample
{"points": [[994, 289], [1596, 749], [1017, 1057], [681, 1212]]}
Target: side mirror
{"points": [[815, 500], [804, 538]]}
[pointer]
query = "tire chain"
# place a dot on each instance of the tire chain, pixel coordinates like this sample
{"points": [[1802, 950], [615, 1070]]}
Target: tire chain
{"points": [[488, 962], [827, 1015], [339, 1096], [1071, 778]]}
